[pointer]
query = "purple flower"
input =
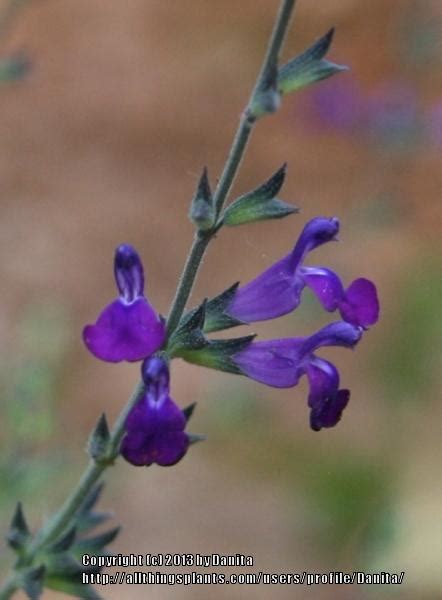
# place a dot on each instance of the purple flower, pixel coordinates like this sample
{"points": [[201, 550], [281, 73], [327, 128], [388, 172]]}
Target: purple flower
{"points": [[282, 362], [277, 291], [128, 328], [155, 425]]}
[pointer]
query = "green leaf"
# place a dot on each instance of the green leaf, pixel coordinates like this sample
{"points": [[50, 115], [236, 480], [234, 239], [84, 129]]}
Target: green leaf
{"points": [[216, 317], [18, 533], [308, 67], [218, 354], [98, 444], [260, 204], [202, 210]]}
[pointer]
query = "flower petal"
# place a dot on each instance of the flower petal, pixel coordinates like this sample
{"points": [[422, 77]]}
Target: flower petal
{"points": [[360, 304], [128, 271], [326, 401], [325, 284], [125, 332]]}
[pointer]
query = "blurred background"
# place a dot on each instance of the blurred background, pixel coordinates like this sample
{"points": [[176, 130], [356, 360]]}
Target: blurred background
{"points": [[103, 136]]}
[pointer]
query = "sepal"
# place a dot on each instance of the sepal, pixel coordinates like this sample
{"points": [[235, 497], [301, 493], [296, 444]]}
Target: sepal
{"points": [[308, 67], [18, 533], [260, 204], [189, 333], [202, 210], [33, 581], [96, 544], [99, 441], [86, 518], [64, 542], [194, 438], [217, 354], [188, 411], [216, 318]]}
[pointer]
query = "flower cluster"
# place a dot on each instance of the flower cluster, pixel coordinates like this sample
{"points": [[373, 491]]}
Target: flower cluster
{"points": [[129, 329]]}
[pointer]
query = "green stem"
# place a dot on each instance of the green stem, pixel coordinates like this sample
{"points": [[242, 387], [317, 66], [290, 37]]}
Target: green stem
{"points": [[187, 279], [61, 519]]}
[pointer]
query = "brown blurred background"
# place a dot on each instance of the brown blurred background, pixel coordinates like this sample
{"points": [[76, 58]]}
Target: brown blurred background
{"points": [[102, 142]]}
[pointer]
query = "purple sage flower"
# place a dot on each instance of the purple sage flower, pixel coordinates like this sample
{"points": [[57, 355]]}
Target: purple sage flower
{"points": [[155, 425], [282, 362], [277, 291], [128, 328]]}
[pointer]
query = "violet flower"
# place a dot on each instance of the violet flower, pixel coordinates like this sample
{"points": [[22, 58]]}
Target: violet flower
{"points": [[282, 362], [128, 328], [155, 425], [277, 291]]}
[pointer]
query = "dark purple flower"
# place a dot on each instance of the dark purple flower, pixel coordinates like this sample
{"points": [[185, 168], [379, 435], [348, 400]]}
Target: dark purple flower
{"points": [[281, 362], [277, 291], [128, 328], [155, 425]]}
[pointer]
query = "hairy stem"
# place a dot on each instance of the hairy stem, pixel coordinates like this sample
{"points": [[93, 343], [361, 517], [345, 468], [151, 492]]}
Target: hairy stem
{"points": [[62, 518]]}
